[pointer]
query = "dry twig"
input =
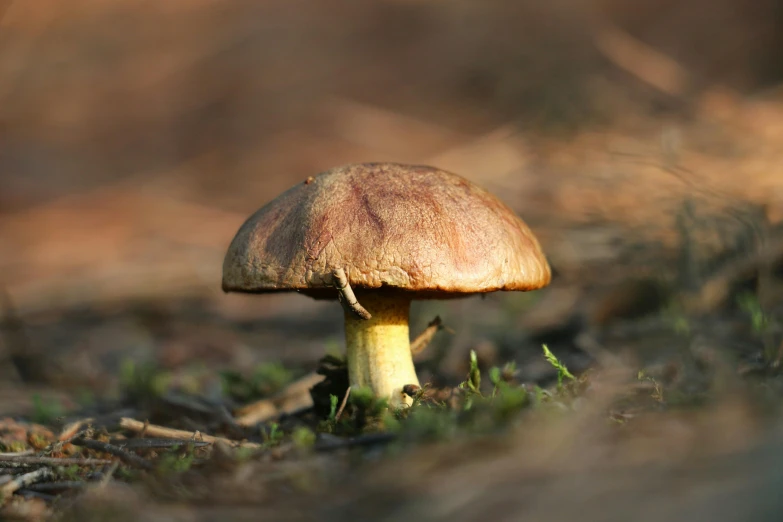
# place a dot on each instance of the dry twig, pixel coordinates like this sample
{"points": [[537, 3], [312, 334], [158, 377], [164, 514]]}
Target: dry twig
{"points": [[107, 476], [425, 338], [25, 480], [369, 439], [342, 404], [128, 458], [62, 485], [347, 297], [168, 433], [26, 460], [293, 397], [71, 430], [154, 443]]}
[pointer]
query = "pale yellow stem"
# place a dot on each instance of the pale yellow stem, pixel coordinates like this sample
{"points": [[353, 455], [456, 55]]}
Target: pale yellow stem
{"points": [[379, 349]]}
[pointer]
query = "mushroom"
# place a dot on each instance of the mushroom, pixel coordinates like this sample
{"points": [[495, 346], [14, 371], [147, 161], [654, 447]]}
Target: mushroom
{"points": [[377, 236]]}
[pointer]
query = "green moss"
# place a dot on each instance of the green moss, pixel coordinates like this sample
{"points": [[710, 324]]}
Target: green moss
{"points": [[178, 460], [68, 472], [473, 409], [12, 446], [303, 437]]}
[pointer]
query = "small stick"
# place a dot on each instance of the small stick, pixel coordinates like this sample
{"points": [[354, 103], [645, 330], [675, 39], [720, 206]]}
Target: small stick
{"points": [[128, 458], [291, 398], [424, 338], [255, 412], [369, 439], [347, 297], [153, 443], [57, 447], [342, 404], [22, 481], [7, 461], [71, 430], [143, 432], [107, 476], [168, 433], [58, 486]]}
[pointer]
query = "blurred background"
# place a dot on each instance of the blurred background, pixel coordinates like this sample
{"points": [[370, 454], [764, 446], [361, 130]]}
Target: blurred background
{"points": [[135, 138], [642, 141]]}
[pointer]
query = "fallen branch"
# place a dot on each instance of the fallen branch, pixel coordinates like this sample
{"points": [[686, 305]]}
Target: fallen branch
{"points": [[169, 433], [153, 443], [425, 338], [128, 458], [292, 398], [106, 478], [63, 485], [342, 405], [369, 439], [71, 430], [22, 481], [25, 460]]}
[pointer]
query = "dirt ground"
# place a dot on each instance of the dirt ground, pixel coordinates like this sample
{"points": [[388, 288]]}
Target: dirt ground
{"points": [[641, 144]]}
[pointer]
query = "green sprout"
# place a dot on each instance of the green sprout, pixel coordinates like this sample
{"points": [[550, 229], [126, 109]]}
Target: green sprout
{"points": [[749, 303], [473, 382], [562, 371], [333, 401], [274, 435]]}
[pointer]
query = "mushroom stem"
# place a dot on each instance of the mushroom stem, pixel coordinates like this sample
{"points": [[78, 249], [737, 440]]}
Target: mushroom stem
{"points": [[379, 348]]}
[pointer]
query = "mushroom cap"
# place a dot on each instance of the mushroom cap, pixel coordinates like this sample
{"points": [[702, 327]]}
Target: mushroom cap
{"points": [[402, 227]]}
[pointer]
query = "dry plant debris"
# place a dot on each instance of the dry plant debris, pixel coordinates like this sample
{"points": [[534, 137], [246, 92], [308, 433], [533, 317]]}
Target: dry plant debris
{"points": [[160, 431]]}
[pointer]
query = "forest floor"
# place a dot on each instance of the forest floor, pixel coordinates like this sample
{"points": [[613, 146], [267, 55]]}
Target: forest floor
{"points": [[643, 384]]}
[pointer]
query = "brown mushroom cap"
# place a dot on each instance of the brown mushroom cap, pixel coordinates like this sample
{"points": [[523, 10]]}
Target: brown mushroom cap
{"points": [[411, 228]]}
